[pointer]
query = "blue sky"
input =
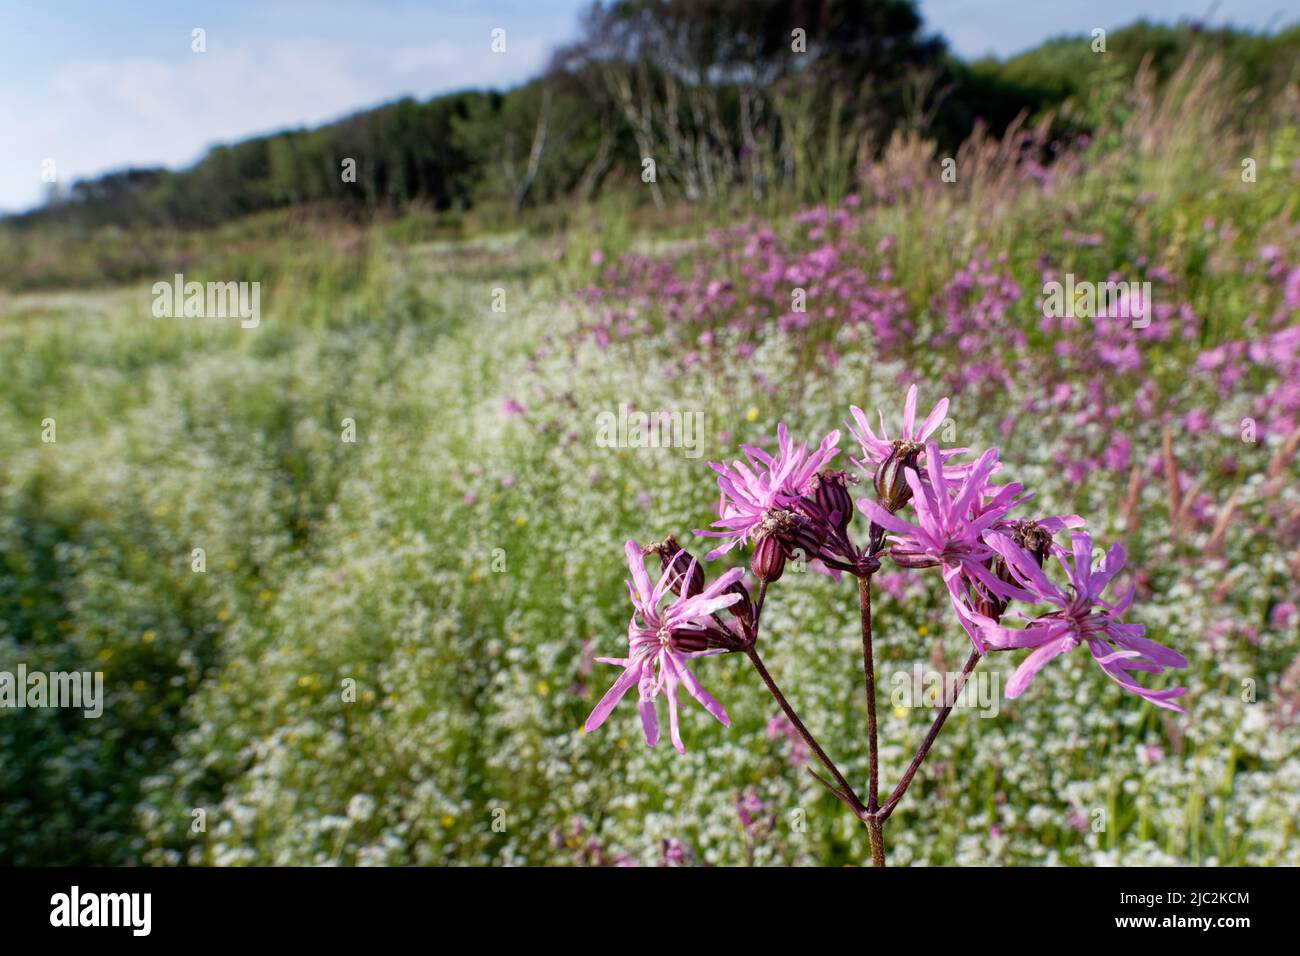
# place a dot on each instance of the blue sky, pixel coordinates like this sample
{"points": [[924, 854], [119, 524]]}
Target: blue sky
{"points": [[101, 85]]}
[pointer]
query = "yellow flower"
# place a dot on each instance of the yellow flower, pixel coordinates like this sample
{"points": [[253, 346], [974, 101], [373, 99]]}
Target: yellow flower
{"points": [[923, 630], [900, 712], [752, 414], [520, 521], [543, 688], [448, 821], [148, 637]]}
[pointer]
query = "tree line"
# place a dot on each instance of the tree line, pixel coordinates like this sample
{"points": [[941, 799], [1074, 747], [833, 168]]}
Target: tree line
{"points": [[694, 99]]}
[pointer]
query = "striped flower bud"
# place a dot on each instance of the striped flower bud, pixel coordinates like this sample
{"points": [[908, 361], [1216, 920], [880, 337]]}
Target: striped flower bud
{"points": [[830, 490], [742, 610], [768, 562], [891, 482]]}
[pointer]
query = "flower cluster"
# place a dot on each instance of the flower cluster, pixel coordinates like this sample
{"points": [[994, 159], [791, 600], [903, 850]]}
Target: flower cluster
{"points": [[930, 510]]}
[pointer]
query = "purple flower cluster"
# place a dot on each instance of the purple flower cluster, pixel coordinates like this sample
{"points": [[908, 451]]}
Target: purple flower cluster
{"points": [[929, 511]]}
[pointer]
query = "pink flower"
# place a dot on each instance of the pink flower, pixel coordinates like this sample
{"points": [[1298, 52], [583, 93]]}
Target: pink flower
{"points": [[1149, 753], [1083, 617], [749, 807], [1292, 289], [876, 448], [674, 852], [779, 727], [761, 483], [950, 522], [657, 640], [1282, 615]]}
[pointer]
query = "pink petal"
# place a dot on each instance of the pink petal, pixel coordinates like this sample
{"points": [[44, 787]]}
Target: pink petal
{"points": [[649, 721], [1034, 663], [636, 564], [674, 723], [933, 420], [1157, 652], [884, 518], [700, 694], [614, 695], [909, 412]]}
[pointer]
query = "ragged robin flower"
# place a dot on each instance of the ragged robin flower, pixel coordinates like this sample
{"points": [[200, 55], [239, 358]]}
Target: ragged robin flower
{"points": [[757, 493], [1083, 616], [662, 640]]}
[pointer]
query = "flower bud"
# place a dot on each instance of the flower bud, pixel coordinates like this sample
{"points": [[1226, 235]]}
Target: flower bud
{"points": [[693, 641], [831, 492], [768, 562], [1030, 538], [742, 610], [987, 603], [905, 558], [797, 532], [671, 554], [891, 482]]}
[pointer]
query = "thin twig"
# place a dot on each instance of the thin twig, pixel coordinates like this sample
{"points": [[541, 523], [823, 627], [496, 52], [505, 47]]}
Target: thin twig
{"points": [[856, 802], [839, 794]]}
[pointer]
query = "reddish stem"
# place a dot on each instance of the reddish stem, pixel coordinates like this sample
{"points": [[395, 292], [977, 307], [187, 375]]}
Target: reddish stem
{"points": [[875, 825]]}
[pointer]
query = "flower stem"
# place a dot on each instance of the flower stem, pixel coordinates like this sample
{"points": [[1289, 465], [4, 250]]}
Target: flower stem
{"points": [[847, 791], [875, 824], [897, 795]]}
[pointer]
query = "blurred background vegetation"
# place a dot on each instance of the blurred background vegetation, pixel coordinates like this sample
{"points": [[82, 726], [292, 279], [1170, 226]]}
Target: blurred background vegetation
{"points": [[714, 91]]}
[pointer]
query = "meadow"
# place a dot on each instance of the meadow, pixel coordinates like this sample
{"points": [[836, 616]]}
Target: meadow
{"points": [[387, 656]]}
